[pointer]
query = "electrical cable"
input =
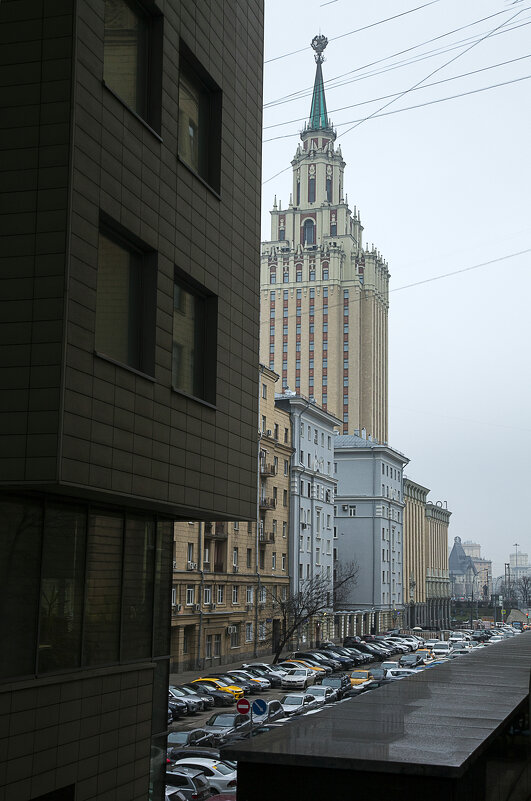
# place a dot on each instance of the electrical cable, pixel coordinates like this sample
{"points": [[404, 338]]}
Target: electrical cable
{"points": [[384, 97], [330, 83], [408, 108], [406, 91], [357, 30]]}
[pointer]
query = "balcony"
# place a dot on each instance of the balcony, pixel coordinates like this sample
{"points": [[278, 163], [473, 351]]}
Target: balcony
{"points": [[267, 536], [267, 469], [217, 531], [268, 503]]}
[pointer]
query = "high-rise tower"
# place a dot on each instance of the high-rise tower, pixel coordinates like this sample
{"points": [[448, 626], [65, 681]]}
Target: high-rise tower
{"points": [[324, 297]]}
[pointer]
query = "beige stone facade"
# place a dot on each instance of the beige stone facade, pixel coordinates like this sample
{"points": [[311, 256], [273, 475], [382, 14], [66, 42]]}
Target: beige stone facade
{"points": [[324, 295], [227, 577], [414, 572], [438, 588]]}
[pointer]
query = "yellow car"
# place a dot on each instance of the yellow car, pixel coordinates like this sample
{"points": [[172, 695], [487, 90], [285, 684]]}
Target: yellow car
{"points": [[315, 669], [360, 677], [218, 684], [425, 653]]}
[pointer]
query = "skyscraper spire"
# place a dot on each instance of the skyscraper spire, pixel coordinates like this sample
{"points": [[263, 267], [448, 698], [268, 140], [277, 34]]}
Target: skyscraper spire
{"points": [[318, 115]]}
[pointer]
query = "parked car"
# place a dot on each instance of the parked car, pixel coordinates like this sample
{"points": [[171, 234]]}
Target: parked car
{"points": [[192, 738], [192, 783], [220, 697], [207, 700], [319, 670], [324, 695], [323, 659], [273, 712], [297, 703], [400, 673], [222, 725], [177, 707], [298, 678], [441, 649], [360, 657], [230, 681], [218, 684], [340, 683], [373, 652], [194, 704], [196, 751], [257, 685], [273, 675], [331, 653], [275, 670], [222, 777], [410, 660], [328, 665], [358, 677]]}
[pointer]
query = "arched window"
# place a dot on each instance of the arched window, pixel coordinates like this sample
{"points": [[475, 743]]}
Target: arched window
{"points": [[309, 232]]}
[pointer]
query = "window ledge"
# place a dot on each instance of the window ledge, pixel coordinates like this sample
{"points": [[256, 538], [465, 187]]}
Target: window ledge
{"points": [[125, 366], [199, 177], [131, 111], [195, 398]]}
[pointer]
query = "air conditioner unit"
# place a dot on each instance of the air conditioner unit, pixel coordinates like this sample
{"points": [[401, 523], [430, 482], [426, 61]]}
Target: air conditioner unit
{"points": [[197, 607], [212, 607], [249, 607], [231, 629], [194, 565], [190, 566], [174, 565], [235, 568], [269, 433], [345, 507], [179, 607]]}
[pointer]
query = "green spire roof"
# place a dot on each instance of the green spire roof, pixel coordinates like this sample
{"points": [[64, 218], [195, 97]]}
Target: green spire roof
{"points": [[318, 114]]}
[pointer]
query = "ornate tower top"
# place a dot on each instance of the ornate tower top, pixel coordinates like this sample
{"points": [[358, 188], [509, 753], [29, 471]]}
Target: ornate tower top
{"points": [[318, 114]]}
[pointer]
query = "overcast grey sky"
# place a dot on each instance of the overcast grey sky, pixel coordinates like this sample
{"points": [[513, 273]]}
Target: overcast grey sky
{"points": [[441, 188]]}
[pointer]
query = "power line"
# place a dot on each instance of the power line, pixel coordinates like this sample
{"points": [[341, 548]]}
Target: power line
{"points": [[409, 108], [384, 97], [433, 72], [280, 287], [357, 30], [330, 83], [462, 270], [406, 91]]}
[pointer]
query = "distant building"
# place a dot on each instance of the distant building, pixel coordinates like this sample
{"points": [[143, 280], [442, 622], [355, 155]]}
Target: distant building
{"points": [[369, 521], [324, 295], [128, 354], [483, 568], [228, 576], [438, 589], [462, 571], [313, 485], [415, 535]]}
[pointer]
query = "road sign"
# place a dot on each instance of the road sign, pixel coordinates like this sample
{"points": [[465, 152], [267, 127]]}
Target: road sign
{"points": [[259, 707], [243, 706]]}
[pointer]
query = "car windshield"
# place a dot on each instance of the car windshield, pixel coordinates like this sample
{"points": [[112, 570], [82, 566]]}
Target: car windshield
{"points": [[318, 691], [178, 737], [332, 682], [297, 673], [222, 768], [176, 693], [359, 674], [221, 719], [294, 700]]}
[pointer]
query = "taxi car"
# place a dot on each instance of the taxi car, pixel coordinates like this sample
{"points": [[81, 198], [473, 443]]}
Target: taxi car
{"points": [[219, 684], [358, 677]]}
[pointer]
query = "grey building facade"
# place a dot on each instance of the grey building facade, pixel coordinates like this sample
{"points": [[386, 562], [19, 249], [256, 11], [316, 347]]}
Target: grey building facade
{"points": [[313, 485], [128, 357], [369, 521]]}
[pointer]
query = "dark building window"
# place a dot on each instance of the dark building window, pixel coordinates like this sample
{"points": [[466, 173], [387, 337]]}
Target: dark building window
{"points": [[194, 339], [199, 120], [311, 190], [97, 584], [282, 234], [333, 229], [125, 302], [298, 193], [309, 232], [329, 189], [132, 57]]}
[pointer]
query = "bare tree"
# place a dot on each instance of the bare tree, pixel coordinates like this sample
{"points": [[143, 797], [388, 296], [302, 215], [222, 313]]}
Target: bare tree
{"points": [[315, 596], [523, 589]]}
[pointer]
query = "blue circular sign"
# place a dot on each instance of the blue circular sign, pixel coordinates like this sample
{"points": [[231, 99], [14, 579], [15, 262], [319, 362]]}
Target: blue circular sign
{"points": [[259, 707]]}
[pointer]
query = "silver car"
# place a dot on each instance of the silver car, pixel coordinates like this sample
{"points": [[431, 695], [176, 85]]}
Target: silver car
{"points": [[298, 678]]}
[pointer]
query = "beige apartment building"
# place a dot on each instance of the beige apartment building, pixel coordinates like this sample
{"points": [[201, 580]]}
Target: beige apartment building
{"points": [[426, 576], [228, 578], [438, 588], [324, 295], [414, 571]]}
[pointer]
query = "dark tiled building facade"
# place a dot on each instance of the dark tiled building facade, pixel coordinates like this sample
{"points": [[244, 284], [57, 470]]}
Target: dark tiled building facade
{"points": [[128, 355]]}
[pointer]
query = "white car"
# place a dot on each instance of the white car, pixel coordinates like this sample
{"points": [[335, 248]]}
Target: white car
{"points": [[323, 695], [298, 678], [222, 777], [442, 649], [262, 683], [297, 703], [400, 673]]}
